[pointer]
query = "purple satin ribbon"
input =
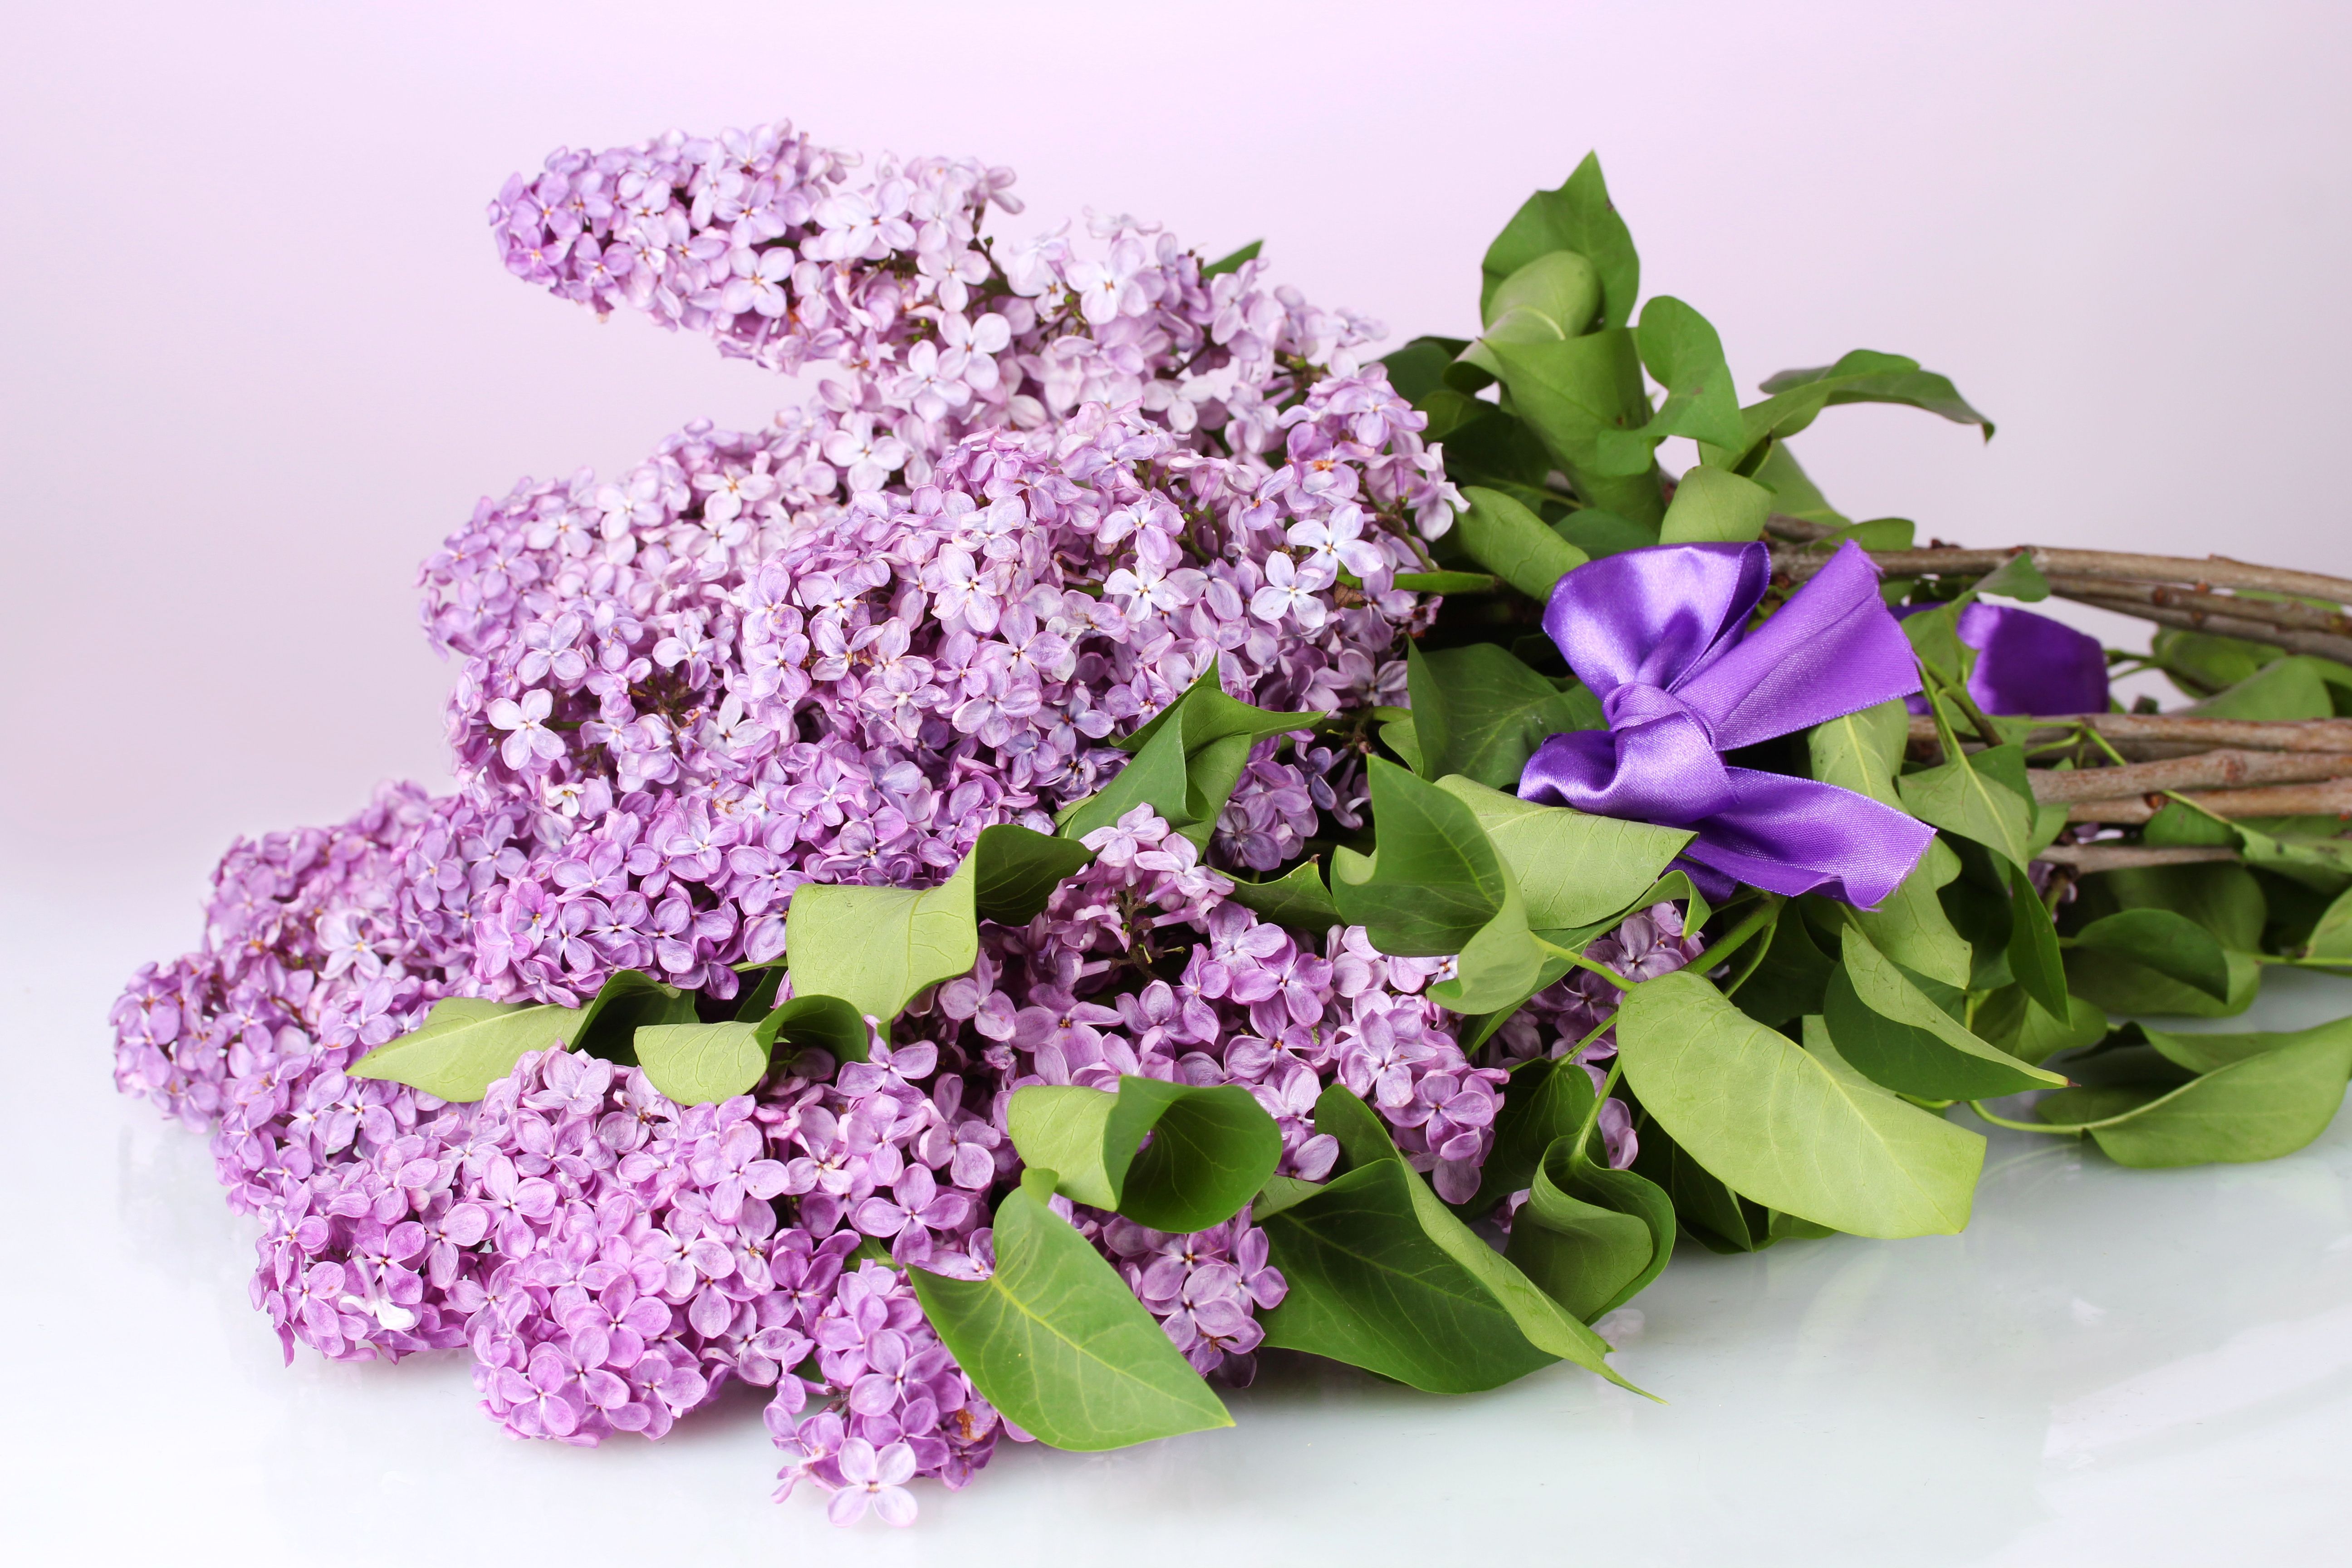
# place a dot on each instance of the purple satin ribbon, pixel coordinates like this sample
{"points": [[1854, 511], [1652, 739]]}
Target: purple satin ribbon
{"points": [[1659, 635], [2027, 663]]}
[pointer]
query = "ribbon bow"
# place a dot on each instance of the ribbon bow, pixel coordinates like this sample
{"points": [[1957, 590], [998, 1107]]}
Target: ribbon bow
{"points": [[1660, 635]]}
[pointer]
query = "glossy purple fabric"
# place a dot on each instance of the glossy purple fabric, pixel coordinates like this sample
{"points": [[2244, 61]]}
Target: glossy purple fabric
{"points": [[1659, 635], [2028, 663]]}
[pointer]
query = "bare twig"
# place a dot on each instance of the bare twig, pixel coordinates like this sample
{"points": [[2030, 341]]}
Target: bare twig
{"points": [[2200, 619], [2287, 614], [2333, 735], [2333, 798], [2115, 566], [2089, 857], [2204, 770]]}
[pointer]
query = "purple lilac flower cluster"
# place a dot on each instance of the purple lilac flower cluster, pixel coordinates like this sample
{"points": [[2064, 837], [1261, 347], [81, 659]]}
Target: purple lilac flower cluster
{"points": [[1044, 491]]}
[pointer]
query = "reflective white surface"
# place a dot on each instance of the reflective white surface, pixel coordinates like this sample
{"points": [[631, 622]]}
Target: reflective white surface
{"points": [[2109, 1366]]}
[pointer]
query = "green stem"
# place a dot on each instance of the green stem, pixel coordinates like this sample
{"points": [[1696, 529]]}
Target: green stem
{"points": [[1755, 959], [1592, 1116], [1737, 936], [1582, 962], [1987, 730], [1978, 1106]]}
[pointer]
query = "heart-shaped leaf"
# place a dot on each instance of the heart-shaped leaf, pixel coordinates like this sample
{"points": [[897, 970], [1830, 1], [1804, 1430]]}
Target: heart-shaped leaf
{"points": [[1983, 797], [1682, 348], [465, 1045], [1481, 712], [1513, 543], [2264, 1104], [1591, 1238], [875, 947], [1578, 217], [1573, 869], [1891, 1032], [1794, 1128], [1209, 1149], [1382, 1276], [2163, 941], [1297, 898], [1187, 760], [1055, 1339]]}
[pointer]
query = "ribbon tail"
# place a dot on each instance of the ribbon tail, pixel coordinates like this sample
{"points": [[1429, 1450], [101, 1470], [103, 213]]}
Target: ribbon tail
{"points": [[1794, 835]]}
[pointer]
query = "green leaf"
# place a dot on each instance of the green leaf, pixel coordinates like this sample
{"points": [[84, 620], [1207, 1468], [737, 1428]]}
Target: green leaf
{"points": [[1479, 711], [1983, 797], [1418, 370], [2115, 983], [1513, 543], [1682, 350], [1232, 261], [2167, 943], [1499, 966], [1861, 752], [1211, 1150], [2201, 664], [2022, 1027], [1890, 1031], [1599, 533], [465, 1045], [1585, 398], [1590, 1237], [1561, 284], [877, 947], [1399, 735], [1790, 980], [2016, 578], [1715, 1217], [1434, 880], [2209, 1052], [1015, 871], [1446, 582], [1796, 1129], [2258, 1106], [1797, 396], [1187, 760], [626, 1002], [1297, 900], [1574, 869], [697, 1064], [1382, 1276], [1715, 505], [827, 1023], [1794, 494], [2290, 688], [1055, 1339], [1478, 363], [2033, 954], [1545, 1101], [1368, 1287], [1578, 217], [2332, 937], [2225, 900], [754, 1002]]}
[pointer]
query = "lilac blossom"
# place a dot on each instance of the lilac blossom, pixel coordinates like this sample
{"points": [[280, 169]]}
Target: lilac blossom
{"points": [[1042, 488]]}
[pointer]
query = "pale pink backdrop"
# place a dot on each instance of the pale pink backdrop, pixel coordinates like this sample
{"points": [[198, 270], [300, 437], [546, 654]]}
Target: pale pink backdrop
{"points": [[260, 357]]}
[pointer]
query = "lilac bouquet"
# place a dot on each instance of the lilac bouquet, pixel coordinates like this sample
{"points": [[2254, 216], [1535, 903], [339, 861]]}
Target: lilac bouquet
{"points": [[1098, 846]]}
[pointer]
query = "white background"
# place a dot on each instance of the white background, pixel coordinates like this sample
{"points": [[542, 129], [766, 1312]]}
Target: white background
{"points": [[259, 359]]}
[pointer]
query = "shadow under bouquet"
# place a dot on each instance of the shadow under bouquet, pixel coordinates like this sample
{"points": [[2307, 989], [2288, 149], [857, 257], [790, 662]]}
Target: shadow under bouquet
{"points": [[1128, 833]]}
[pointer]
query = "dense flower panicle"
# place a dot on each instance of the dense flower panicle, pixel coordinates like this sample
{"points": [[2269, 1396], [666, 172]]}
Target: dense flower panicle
{"points": [[1048, 487]]}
